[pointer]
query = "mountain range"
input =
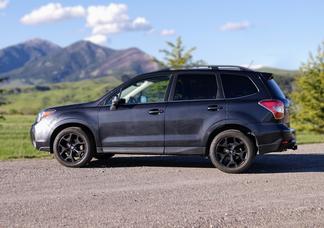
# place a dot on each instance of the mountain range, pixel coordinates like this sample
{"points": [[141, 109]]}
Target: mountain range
{"points": [[39, 61]]}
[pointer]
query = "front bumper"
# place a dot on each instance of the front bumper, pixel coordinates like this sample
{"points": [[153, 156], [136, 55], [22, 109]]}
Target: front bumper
{"points": [[39, 135]]}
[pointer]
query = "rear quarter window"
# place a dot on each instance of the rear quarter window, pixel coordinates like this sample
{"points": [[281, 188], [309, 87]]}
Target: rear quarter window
{"points": [[237, 85]]}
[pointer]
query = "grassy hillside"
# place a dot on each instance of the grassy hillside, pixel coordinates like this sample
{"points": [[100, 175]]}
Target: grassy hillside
{"points": [[29, 100]]}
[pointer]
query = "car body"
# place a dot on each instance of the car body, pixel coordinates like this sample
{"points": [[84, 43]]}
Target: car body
{"points": [[177, 112]]}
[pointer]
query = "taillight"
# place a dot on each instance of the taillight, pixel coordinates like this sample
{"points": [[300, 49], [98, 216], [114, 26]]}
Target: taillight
{"points": [[276, 107]]}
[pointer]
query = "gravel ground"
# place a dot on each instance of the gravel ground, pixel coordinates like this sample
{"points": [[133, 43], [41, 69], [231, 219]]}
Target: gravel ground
{"points": [[281, 190]]}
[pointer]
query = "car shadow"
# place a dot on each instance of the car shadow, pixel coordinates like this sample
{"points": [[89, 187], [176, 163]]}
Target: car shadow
{"points": [[270, 163]]}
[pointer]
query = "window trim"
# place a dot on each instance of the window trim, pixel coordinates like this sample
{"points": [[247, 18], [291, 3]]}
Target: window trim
{"points": [[174, 83], [241, 75]]}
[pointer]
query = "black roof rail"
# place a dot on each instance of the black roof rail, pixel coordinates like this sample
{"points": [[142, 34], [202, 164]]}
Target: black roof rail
{"points": [[212, 67], [229, 67]]}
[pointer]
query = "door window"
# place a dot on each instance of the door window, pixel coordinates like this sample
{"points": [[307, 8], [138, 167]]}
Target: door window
{"points": [[195, 87], [146, 91]]}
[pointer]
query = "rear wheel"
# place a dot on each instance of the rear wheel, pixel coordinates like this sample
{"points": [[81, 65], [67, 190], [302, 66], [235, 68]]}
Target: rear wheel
{"points": [[72, 147], [231, 151]]}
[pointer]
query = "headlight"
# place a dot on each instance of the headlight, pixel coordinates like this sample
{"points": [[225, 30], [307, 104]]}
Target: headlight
{"points": [[44, 114]]}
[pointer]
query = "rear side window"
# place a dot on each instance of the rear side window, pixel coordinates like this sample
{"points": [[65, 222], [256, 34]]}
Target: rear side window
{"points": [[275, 89], [195, 87], [237, 86]]}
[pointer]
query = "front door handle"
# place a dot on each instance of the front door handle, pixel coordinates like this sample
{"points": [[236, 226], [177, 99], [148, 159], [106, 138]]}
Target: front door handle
{"points": [[214, 108], [155, 111]]}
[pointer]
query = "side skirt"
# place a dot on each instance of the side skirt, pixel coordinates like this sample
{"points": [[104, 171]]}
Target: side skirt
{"points": [[153, 150]]}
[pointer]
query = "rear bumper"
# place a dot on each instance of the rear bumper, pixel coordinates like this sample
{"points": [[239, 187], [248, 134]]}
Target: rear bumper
{"points": [[275, 138]]}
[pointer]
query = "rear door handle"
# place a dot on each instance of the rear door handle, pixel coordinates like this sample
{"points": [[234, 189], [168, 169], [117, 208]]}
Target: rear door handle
{"points": [[214, 108], [155, 111]]}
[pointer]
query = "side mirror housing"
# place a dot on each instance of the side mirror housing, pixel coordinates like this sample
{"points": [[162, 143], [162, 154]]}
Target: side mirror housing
{"points": [[116, 101]]}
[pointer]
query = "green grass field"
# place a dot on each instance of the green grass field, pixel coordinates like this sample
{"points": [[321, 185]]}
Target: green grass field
{"points": [[15, 141]]}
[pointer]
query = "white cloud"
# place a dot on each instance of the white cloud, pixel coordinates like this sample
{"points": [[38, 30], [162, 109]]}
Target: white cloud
{"points": [[114, 18], [4, 4], [233, 26], [105, 20], [52, 12], [97, 39], [167, 32]]}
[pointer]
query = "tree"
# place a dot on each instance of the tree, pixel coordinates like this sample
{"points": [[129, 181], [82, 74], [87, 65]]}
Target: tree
{"points": [[2, 99], [177, 56], [308, 94]]}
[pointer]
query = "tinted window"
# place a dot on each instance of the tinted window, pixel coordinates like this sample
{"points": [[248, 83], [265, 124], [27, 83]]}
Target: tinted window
{"points": [[195, 86], [237, 86]]}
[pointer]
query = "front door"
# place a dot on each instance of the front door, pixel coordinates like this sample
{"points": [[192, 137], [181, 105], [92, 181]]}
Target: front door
{"points": [[138, 125]]}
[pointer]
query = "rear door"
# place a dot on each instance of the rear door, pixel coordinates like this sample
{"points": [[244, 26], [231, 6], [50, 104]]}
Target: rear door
{"points": [[242, 95], [194, 105]]}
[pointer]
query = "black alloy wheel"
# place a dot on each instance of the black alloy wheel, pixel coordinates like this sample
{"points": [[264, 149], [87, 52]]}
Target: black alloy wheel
{"points": [[232, 151], [72, 147]]}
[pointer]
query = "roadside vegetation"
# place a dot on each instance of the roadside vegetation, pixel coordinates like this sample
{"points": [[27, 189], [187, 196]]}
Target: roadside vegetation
{"points": [[19, 105]]}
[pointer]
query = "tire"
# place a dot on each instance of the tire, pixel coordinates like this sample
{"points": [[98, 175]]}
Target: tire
{"points": [[103, 156], [72, 147], [231, 151]]}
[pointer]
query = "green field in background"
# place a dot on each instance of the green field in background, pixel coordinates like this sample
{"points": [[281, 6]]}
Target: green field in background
{"points": [[15, 140], [30, 100]]}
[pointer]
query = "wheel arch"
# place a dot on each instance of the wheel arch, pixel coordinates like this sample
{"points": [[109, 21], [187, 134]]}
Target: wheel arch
{"points": [[245, 130], [63, 126]]}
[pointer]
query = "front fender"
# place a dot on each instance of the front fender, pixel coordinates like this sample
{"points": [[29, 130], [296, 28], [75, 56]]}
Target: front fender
{"points": [[88, 120]]}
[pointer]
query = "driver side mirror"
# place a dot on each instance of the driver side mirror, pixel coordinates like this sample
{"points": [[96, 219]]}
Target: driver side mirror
{"points": [[116, 101]]}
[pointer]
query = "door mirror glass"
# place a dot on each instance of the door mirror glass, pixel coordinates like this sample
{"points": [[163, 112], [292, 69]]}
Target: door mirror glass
{"points": [[116, 101]]}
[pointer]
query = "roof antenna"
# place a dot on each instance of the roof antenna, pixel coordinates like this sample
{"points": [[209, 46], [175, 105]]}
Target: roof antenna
{"points": [[252, 61]]}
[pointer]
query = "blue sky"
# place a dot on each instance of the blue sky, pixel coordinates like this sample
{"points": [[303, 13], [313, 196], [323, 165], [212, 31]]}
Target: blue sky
{"points": [[272, 33]]}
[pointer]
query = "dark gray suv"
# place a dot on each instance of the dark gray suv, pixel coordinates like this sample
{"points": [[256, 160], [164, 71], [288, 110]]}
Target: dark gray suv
{"points": [[228, 113]]}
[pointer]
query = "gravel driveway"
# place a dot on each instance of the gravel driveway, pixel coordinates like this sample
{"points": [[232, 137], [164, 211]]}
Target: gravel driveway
{"points": [[283, 189]]}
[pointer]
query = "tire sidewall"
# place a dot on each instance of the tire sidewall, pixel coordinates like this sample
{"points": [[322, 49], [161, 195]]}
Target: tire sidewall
{"points": [[88, 144], [249, 146]]}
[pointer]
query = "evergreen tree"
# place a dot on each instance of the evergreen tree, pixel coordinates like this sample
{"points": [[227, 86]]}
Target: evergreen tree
{"points": [[308, 94], [176, 56]]}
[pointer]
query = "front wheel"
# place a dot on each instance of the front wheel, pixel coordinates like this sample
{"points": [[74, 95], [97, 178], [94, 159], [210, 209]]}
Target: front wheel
{"points": [[231, 151], [72, 147]]}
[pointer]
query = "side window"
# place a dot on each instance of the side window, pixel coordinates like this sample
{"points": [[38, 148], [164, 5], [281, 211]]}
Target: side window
{"points": [[195, 87], [237, 86], [146, 91]]}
